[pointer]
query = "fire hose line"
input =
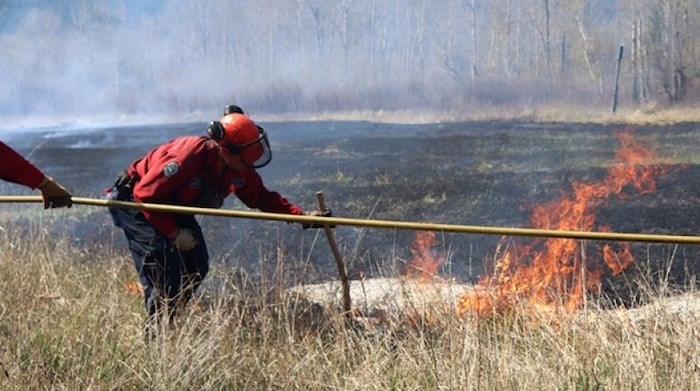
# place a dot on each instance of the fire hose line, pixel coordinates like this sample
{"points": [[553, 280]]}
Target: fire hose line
{"points": [[370, 223]]}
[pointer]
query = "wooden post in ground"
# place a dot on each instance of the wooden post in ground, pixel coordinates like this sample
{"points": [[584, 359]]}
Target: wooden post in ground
{"points": [[347, 305], [617, 79]]}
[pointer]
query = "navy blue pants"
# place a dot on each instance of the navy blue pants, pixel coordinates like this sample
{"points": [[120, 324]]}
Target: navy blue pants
{"points": [[169, 277]]}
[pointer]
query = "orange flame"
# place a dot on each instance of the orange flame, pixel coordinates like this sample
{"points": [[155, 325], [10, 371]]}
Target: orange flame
{"points": [[557, 273], [133, 288], [425, 263]]}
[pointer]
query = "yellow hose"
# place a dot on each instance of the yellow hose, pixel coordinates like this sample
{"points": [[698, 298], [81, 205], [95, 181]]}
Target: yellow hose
{"points": [[384, 224]]}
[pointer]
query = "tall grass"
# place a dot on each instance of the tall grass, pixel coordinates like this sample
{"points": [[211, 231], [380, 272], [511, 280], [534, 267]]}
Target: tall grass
{"points": [[567, 112], [68, 322]]}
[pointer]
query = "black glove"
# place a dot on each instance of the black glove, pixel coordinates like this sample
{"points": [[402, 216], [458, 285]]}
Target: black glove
{"points": [[123, 180], [325, 213]]}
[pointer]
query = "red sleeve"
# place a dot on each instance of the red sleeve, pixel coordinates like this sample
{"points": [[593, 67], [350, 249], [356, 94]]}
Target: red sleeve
{"points": [[155, 186], [255, 195], [157, 189], [16, 169]]}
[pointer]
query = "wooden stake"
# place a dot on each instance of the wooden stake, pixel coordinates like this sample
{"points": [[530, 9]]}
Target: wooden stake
{"points": [[617, 79], [347, 305]]}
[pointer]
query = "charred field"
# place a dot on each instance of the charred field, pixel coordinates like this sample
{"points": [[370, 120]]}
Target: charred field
{"points": [[476, 173]]}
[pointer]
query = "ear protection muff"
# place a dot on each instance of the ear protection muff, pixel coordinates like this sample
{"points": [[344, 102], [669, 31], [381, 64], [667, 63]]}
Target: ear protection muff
{"points": [[216, 131]]}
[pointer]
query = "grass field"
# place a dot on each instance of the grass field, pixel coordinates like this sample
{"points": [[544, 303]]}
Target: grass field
{"points": [[70, 321], [71, 314]]}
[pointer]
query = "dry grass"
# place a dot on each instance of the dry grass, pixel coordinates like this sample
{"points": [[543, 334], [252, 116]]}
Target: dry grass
{"points": [[648, 114], [68, 322], [652, 113]]}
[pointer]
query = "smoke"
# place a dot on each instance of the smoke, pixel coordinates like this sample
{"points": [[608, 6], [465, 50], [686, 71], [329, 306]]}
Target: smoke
{"points": [[186, 59], [180, 59], [96, 59]]}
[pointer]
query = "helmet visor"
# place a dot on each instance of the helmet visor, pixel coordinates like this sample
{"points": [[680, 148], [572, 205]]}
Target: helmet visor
{"points": [[255, 154]]}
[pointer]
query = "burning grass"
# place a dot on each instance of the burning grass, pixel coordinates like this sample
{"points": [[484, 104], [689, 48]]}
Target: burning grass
{"points": [[67, 321], [557, 274], [71, 313]]}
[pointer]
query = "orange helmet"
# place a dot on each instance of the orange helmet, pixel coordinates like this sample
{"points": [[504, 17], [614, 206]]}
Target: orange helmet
{"points": [[241, 136]]}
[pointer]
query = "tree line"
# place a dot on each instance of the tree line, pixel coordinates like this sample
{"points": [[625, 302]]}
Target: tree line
{"points": [[315, 55]]}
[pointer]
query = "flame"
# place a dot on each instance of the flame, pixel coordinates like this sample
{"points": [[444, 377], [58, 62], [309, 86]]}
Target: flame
{"points": [[553, 274], [425, 263], [133, 288]]}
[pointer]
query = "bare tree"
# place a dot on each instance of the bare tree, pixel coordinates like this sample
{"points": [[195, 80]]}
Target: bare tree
{"points": [[547, 38], [588, 52], [474, 40], [671, 42]]}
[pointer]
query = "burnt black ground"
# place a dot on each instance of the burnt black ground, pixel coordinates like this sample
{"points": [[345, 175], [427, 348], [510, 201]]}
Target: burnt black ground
{"points": [[477, 173]]}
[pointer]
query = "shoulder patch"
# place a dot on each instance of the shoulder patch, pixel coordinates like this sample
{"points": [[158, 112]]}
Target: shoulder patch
{"points": [[171, 169]]}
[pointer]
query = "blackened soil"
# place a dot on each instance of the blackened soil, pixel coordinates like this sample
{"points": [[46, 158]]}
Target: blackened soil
{"points": [[479, 173]]}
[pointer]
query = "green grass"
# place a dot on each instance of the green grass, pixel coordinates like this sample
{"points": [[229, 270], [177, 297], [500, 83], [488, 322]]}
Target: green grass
{"points": [[68, 321]]}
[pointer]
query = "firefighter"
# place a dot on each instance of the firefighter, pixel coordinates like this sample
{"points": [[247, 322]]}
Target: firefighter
{"points": [[15, 168], [168, 249]]}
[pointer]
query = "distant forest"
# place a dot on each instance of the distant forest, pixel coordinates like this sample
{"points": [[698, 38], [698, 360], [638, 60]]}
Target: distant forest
{"points": [[282, 56]]}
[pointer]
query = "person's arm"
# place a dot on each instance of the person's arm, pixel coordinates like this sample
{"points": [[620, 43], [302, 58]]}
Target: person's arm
{"points": [[16, 169], [160, 185], [254, 194]]}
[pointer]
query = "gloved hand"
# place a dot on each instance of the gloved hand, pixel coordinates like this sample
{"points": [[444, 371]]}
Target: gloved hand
{"points": [[325, 213], [184, 240], [54, 195], [123, 180]]}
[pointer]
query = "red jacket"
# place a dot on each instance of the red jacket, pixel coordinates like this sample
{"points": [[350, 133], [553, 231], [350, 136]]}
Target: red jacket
{"points": [[15, 168], [183, 172]]}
